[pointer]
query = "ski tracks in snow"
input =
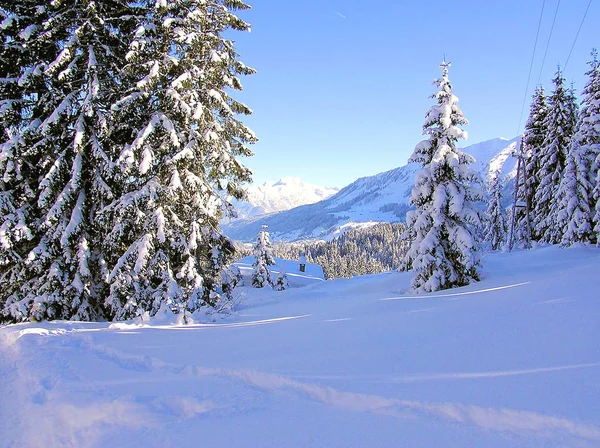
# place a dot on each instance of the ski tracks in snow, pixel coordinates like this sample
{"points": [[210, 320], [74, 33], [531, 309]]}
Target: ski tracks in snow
{"points": [[511, 421]]}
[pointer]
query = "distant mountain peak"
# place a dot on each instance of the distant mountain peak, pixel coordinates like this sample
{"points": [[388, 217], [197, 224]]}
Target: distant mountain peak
{"points": [[286, 193], [289, 181]]}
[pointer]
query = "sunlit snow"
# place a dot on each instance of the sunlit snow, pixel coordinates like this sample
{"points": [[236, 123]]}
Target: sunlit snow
{"points": [[511, 361]]}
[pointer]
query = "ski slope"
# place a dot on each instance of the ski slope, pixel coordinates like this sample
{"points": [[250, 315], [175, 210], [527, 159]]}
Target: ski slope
{"points": [[512, 361]]}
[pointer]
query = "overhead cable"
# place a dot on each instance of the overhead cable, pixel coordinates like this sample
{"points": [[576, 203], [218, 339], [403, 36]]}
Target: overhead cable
{"points": [[578, 31], [537, 35]]}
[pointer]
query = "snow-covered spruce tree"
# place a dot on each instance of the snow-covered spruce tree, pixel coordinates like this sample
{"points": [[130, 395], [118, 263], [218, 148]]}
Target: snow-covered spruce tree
{"points": [[533, 139], [56, 162], [576, 202], [495, 228], [281, 282], [445, 223], [563, 201], [560, 124], [181, 160], [587, 142], [263, 258]]}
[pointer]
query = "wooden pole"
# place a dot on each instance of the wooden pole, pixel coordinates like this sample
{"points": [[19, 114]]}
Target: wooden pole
{"points": [[514, 208]]}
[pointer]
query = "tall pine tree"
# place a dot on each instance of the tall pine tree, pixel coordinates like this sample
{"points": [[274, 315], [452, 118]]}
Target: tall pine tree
{"points": [[181, 159], [119, 146], [445, 223], [560, 124], [495, 229], [587, 140], [533, 139], [575, 196], [58, 156]]}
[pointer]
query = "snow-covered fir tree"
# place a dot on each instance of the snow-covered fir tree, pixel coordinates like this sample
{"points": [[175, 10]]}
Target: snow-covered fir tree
{"points": [[263, 258], [576, 202], [445, 224], [281, 282], [56, 155], [560, 124], [587, 142], [533, 139], [495, 227], [180, 161], [119, 148]]}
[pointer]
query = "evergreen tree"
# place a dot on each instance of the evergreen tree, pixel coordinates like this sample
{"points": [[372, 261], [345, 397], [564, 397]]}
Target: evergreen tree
{"points": [[560, 123], [263, 258], [576, 201], [56, 162], [533, 139], [587, 142], [495, 229], [445, 223], [181, 158], [119, 143], [282, 282]]}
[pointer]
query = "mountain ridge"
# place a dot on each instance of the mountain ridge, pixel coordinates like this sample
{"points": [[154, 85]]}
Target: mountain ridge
{"points": [[383, 197], [284, 194]]}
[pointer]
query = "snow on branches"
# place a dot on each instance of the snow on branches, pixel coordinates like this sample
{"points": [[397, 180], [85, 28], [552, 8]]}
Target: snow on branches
{"points": [[445, 223]]}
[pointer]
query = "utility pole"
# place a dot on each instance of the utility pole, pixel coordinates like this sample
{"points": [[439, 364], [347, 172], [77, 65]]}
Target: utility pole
{"points": [[520, 191]]}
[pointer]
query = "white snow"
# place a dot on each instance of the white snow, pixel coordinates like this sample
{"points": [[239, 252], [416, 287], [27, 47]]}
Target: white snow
{"points": [[313, 272], [287, 193], [27, 32], [511, 361]]}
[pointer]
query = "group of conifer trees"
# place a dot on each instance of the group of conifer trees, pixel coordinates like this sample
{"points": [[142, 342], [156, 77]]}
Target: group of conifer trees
{"points": [[119, 146], [562, 149], [369, 250]]}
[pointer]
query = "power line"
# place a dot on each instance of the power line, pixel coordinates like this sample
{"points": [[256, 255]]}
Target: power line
{"points": [[577, 35], [548, 43], [537, 35]]}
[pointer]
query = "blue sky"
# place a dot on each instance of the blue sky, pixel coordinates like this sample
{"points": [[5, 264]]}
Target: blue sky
{"points": [[343, 86]]}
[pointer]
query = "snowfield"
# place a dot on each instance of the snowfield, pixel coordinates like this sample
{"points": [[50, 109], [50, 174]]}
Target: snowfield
{"points": [[512, 361]]}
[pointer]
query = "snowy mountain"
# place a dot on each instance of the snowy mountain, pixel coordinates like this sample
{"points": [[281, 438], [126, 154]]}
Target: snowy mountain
{"points": [[383, 197], [508, 362], [285, 194]]}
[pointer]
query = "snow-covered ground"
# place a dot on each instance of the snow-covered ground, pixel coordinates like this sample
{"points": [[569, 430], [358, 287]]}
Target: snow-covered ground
{"points": [[513, 361], [313, 273]]}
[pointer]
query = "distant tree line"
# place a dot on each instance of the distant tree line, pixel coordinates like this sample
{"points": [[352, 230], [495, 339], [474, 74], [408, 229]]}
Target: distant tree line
{"points": [[367, 250]]}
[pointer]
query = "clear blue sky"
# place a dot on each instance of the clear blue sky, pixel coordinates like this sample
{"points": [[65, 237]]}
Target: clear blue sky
{"points": [[343, 86]]}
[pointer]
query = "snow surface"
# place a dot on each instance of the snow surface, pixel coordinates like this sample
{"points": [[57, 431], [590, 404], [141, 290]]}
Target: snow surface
{"points": [[512, 361], [313, 272]]}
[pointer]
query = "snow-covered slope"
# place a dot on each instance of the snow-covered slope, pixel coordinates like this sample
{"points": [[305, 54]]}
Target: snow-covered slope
{"points": [[512, 361], [383, 197], [285, 194]]}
